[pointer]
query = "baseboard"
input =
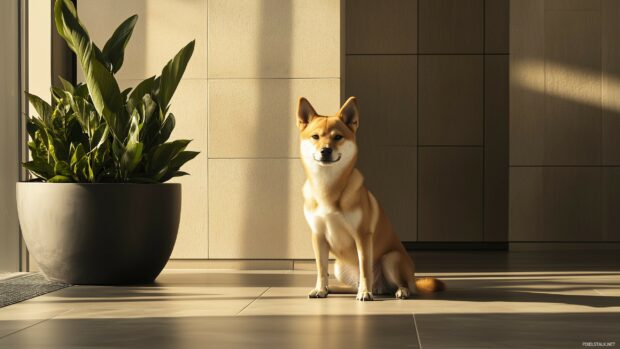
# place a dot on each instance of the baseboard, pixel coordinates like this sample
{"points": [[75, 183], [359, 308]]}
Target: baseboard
{"points": [[518, 246], [237, 264], [246, 264], [309, 264], [455, 246]]}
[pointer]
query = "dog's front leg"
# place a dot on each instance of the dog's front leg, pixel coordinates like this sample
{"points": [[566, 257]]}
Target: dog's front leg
{"points": [[321, 255], [364, 256]]}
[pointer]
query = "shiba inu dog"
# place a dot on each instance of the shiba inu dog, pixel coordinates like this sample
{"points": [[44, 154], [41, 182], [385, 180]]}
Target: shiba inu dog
{"points": [[345, 218]]}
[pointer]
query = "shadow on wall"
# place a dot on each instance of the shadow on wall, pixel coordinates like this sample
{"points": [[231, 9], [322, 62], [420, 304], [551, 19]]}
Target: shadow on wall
{"points": [[272, 222]]}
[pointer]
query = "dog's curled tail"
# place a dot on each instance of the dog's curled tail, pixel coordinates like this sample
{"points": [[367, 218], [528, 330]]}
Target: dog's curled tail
{"points": [[427, 285]]}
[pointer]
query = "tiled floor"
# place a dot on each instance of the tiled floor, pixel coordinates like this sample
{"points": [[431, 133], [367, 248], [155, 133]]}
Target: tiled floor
{"points": [[494, 300]]}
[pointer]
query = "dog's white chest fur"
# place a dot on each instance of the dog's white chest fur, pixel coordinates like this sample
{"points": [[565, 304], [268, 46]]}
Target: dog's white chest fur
{"points": [[337, 225]]}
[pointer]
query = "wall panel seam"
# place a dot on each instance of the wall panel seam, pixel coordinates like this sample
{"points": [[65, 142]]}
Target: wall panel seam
{"points": [[207, 143], [430, 54], [269, 78], [417, 74], [484, 113]]}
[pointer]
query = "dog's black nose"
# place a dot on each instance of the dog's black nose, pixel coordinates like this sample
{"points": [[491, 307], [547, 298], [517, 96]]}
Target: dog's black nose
{"points": [[326, 152]]}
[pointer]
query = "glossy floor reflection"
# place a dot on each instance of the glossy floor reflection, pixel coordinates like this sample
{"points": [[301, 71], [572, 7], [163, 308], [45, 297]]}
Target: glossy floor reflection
{"points": [[494, 300]]}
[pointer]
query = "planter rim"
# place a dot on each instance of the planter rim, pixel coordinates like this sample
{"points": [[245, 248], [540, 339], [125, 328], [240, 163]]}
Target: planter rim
{"points": [[103, 184]]}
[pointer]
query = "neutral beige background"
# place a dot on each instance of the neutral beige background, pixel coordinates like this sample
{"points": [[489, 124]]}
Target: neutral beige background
{"points": [[253, 59], [9, 118]]}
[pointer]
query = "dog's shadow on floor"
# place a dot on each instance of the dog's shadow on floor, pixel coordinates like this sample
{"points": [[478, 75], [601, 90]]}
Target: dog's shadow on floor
{"points": [[529, 290], [525, 291]]}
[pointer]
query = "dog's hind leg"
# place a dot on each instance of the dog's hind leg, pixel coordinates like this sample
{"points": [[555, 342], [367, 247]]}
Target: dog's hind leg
{"points": [[393, 264]]}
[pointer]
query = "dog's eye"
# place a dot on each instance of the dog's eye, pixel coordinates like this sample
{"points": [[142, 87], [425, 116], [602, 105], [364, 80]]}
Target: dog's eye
{"points": [[315, 136], [337, 137]]}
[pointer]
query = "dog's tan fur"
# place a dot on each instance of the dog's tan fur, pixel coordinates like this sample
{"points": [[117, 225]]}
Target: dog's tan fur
{"points": [[345, 218]]}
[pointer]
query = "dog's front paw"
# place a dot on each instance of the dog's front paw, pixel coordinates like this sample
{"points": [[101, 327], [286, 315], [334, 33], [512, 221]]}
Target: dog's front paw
{"points": [[364, 296], [402, 293], [318, 293]]}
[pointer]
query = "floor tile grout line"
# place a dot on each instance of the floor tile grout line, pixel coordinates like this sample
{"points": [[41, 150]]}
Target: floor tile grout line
{"points": [[36, 323], [417, 333], [254, 300]]}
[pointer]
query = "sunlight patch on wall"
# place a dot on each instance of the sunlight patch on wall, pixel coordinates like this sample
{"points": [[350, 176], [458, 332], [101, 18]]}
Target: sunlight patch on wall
{"points": [[564, 81]]}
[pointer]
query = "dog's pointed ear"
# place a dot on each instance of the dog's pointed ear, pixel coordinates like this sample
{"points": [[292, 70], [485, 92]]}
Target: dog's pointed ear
{"points": [[305, 113], [349, 114]]}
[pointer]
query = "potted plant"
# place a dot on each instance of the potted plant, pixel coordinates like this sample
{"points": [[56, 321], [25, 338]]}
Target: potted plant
{"points": [[99, 211]]}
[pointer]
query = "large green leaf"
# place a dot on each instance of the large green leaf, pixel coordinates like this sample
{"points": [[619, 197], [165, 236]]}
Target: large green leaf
{"points": [[60, 179], [166, 128], [148, 108], [114, 49], [100, 158], [179, 160], [75, 134], [150, 122], [101, 57], [53, 146], [57, 95], [161, 155], [171, 75], [81, 90], [99, 136], [131, 157], [82, 170], [43, 108], [40, 169], [82, 110], [77, 154], [171, 174], [125, 93], [40, 138], [106, 97], [133, 150], [134, 128], [67, 85], [58, 7], [33, 125], [144, 87], [62, 168], [103, 88]]}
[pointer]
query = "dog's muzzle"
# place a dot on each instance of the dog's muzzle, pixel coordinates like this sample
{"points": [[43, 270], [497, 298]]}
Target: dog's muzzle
{"points": [[326, 156]]}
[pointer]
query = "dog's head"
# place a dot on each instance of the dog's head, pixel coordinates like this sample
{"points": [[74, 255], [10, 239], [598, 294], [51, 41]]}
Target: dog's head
{"points": [[328, 140]]}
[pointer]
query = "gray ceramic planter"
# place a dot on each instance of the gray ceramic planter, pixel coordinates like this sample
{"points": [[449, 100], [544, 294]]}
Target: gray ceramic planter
{"points": [[99, 233]]}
